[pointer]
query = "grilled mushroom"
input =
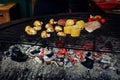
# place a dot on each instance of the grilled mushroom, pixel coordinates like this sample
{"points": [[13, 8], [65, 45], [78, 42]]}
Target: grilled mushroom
{"points": [[44, 34], [38, 23], [48, 25], [50, 29], [52, 21], [37, 28], [62, 34], [58, 28], [30, 31]]}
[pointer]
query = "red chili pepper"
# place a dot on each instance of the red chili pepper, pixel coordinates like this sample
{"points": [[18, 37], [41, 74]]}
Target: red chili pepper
{"points": [[103, 20]]}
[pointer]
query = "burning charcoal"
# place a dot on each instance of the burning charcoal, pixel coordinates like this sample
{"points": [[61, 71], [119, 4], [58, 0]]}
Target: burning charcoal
{"points": [[73, 59], [16, 54], [61, 52], [49, 52], [60, 64], [67, 63], [48, 55], [88, 63], [7, 53], [60, 61], [36, 59], [80, 54], [25, 47], [35, 52], [106, 59], [47, 59], [105, 66]]}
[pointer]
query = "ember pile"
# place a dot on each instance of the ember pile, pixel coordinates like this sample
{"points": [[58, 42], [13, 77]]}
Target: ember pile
{"points": [[61, 57], [35, 62]]}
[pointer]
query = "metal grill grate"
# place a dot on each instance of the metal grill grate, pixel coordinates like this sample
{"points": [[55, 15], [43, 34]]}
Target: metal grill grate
{"points": [[14, 33]]}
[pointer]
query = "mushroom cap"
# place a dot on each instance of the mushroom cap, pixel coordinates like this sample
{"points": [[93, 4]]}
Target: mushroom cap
{"points": [[62, 34], [58, 28], [27, 28], [52, 21], [48, 25], [30, 31], [37, 28], [38, 23], [44, 34]]}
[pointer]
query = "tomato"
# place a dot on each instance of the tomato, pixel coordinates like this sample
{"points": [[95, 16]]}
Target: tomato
{"points": [[98, 19], [90, 19], [103, 20]]}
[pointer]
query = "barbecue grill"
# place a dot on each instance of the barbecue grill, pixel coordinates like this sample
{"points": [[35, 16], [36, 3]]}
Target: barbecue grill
{"points": [[105, 40]]}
